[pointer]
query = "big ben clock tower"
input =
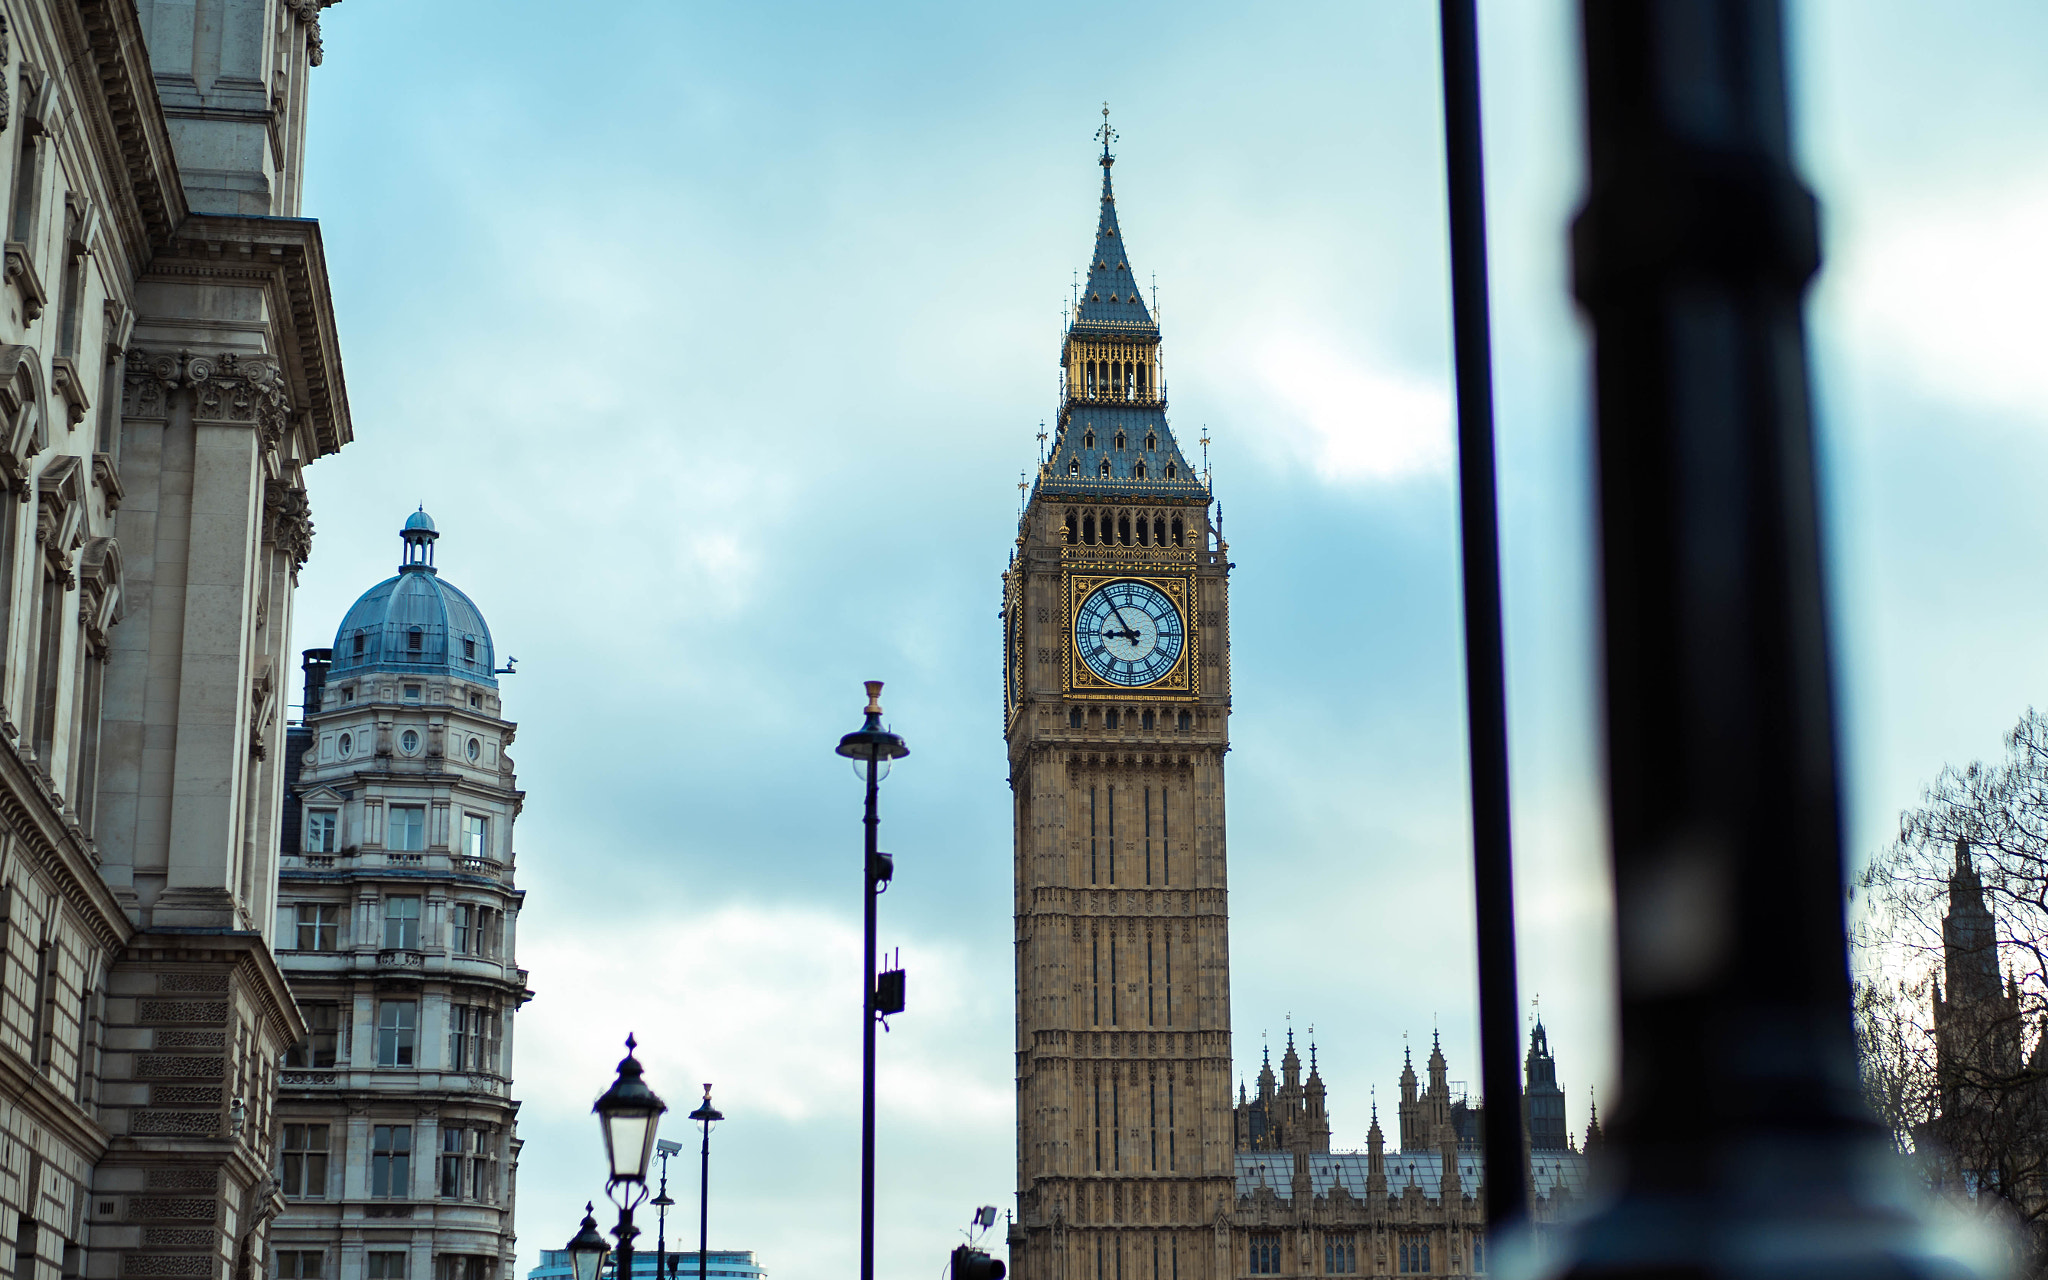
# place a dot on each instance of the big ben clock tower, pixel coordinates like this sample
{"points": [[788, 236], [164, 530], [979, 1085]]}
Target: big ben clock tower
{"points": [[1116, 709]]}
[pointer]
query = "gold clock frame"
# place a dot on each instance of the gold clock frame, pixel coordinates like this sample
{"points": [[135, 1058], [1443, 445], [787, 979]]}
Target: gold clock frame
{"points": [[1181, 683]]}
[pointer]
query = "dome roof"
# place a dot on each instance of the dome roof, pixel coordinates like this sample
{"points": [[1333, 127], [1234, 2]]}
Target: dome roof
{"points": [[414, 624]]}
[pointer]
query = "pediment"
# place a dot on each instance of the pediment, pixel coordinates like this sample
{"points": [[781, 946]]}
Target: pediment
{"points": [[321, 795]]}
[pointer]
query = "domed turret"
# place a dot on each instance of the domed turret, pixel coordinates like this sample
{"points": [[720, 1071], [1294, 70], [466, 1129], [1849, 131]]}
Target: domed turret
{"points": [[415, 624]]}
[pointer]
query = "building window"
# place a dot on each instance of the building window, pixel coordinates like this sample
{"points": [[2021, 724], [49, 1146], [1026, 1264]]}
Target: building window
{"points": [[359, 644], [1074, 718], [305, 1168], [390, 1177], [1414, 1255], [478, 1266], [345, 745], [472, 1038], [298, 1264], [1340, 1255], [476, 746], [469, 1166], [408, 827], [397, 1031], [1184, 721], [474, 930], [413, 640], [469, 649], [475, 835], [323, 830], [412, 693], [476, 700], [409, 741], [319, 926], [386, 1265], [401, 923], [1478, 1253], [451, 1166], [348, 694], [322, 1044], [1265, 1255]]}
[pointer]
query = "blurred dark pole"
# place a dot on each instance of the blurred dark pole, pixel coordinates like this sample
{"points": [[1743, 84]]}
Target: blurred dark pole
{"points": [[1743, 1144], [1493, 870]]}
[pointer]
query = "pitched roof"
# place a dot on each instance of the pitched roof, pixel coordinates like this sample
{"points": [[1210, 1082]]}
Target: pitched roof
{"points": [[1109, 298]]}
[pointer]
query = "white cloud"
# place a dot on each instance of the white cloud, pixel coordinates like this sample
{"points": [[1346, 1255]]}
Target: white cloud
{"points": [[1951, 290], [1350, 422]]}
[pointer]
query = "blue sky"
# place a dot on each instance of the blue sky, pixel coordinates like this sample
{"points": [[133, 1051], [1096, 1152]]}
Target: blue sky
{"points": [[715, 338]]}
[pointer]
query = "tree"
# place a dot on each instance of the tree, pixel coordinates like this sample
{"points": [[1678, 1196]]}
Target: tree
{"points": [[1951, 952]]}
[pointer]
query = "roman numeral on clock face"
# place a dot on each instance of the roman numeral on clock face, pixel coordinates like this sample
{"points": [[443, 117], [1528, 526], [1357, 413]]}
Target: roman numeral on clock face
{"points": [[1129, 633]]}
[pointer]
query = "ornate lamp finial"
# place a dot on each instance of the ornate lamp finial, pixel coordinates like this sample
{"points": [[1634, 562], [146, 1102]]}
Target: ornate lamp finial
{"points": [[1106, 135]]}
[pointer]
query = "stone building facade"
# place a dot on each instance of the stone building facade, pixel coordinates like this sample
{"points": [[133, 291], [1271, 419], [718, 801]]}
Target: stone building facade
{"points": [[1117, 684], [397, 929], [1304, 1209], [169, 367], [1132, 1164]]}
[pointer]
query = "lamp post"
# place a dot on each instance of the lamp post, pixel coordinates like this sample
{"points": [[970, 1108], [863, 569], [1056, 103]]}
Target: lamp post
{"points": [[877, 747], [705, 1115], [663, 1149], [628, 1114], [586, 1248]]}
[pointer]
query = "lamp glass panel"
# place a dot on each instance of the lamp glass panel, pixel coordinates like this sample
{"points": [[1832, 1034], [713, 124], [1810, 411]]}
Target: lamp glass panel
{"points": [[629, 1135], [587, 1263]]}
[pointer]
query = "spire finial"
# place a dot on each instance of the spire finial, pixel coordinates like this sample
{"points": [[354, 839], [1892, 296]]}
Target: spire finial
{"points": [[1106, 135]]}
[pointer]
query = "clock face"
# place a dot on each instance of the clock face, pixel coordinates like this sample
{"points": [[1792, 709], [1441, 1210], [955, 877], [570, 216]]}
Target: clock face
{"points": [[1129, 633]]}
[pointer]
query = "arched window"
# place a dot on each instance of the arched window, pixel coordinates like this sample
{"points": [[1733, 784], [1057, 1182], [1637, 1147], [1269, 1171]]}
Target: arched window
{"points": [[1103, 470], [1088, 529], [1123, 530], [1088, 376], [1109, 720], [1141, 519], [1074, 718], [1141, 382], [1159, 532], [1184, 721], [1146, 723], [1178, 527], [1070, 528]]}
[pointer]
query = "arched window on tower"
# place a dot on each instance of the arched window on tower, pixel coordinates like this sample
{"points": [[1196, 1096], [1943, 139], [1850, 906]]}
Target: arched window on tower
{"points": [[1141, 519], [1088, 529], [1170, 471], [1151, 441], [1088, 438], [1139, 472], [1074, 718], [1123, 530], [1088, 371], [1119, 442], [1074, 467], [1070, 528], [1109, 720], [1141, 381], [1179, 529], [1103, 470], [1184, 722], [1146, 723], [1159, 532]]}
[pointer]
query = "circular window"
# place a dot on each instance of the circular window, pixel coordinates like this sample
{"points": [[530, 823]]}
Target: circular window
{"points": [[346, 744], [476, 748], [409, 742]]}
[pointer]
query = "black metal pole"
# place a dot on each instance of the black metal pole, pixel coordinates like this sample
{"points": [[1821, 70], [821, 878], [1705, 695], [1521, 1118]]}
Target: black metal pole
{"points": [[661, 1203], [1743, 1145], [867, 1031], [1493, 871], [704, 1199], [624, 1231]]}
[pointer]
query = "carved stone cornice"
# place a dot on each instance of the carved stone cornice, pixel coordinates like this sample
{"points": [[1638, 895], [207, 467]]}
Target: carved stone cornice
{"points": [[229, 387], [125, 119], [285, 258], [288, 520]]}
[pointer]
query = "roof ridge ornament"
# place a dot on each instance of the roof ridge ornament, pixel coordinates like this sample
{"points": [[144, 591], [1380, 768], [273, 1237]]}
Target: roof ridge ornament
{"points": [[1106, 135]]}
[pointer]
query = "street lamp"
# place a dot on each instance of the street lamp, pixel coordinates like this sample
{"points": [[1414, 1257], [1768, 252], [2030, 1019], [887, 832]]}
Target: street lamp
{"points": [[705, 1115], [586, 1248], [629, 1114], [876, 747]]}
